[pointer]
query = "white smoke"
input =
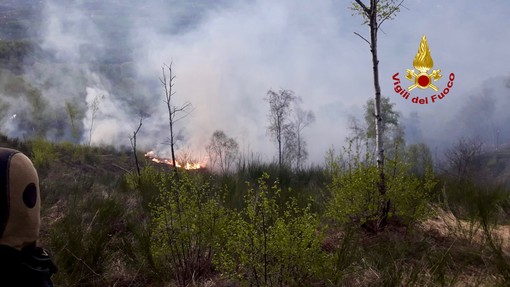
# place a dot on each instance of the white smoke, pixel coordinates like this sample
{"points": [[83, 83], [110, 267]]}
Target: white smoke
{"points": [[228, 54]]}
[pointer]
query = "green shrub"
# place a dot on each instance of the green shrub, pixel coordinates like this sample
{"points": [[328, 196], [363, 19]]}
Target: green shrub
{"points": [[148, 184], [67, 148], [79, 154], [43, 153], [354, 188], [269, 244], [185, 221], [408, 193]]}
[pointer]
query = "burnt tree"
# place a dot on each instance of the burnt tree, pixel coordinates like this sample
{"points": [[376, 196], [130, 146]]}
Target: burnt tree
{"points": [[175, 113], [279, 113]]}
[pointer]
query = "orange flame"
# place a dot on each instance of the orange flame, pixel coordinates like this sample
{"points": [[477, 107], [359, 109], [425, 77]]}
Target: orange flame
{"points": [[188, 165]]}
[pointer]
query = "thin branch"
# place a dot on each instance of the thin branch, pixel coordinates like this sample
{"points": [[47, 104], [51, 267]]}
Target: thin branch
{"points": [[118, 166], [183, 116], [186, 108], [84, 263], [364, 7], [395, 8], [132, 139], [137, 130], [362, 38]]}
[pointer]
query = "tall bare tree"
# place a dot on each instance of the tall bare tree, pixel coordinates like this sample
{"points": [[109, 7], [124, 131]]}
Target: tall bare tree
{"points": [[175, 113], [289, 146], [279, 112], [94, 106], [132, 139], [302, 119], [222, 151], [374, 15], [461, 158], [74, 113]]}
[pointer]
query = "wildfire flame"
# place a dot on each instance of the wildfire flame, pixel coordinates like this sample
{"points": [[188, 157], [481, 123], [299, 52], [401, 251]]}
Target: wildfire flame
{"points": [[188, 165], [423, 61]]}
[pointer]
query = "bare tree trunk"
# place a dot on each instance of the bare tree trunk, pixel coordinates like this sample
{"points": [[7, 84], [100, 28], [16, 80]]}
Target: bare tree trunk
{"points": [[133, 145], [168, 84], [172, 142], [279, 111], [95, 108], [381, 185], [280, 149], [298, 157], [374, 23], [171, 111], [377, 87]]}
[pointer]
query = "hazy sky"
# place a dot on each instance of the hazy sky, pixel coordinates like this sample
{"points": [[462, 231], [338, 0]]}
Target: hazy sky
{"points": [[227, 55]]}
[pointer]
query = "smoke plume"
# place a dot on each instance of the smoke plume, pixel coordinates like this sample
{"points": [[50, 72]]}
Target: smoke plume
{"points": [[226, 56]]}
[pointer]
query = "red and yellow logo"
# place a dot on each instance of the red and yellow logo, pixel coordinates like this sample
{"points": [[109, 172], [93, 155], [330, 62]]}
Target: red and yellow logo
{"points": [[423, 62]]}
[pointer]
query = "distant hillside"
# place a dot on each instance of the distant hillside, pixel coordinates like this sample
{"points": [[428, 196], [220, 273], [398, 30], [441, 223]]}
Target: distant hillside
{"points": [[19, 19], [19, 24]]}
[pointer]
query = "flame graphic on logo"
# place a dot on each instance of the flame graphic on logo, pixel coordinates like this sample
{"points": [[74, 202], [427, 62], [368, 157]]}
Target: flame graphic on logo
{"points": [[423, 61]]}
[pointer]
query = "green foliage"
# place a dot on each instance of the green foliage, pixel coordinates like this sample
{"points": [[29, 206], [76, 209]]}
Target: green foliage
{"points": [[270, 244], [80, 154], [389, 115], [419, 158], [302, 184], [386, 9], [185, 222], [408, 193], [43, 153], [392, 131], [354, 192], [74, 115], [148, 184]]}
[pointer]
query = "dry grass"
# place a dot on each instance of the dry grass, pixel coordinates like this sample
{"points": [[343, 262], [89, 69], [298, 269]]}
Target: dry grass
{"points": [[445, 224]]}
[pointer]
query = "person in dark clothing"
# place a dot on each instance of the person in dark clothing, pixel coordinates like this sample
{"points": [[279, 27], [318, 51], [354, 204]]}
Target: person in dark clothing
{"points": [[22, 262]]}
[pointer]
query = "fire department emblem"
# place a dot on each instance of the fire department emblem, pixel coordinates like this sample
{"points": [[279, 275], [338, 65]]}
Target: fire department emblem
{"points": [[423, 63]]}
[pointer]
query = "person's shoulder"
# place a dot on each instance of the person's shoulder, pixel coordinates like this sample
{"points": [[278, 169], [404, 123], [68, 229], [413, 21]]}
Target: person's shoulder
{"points": [[31, 266]]}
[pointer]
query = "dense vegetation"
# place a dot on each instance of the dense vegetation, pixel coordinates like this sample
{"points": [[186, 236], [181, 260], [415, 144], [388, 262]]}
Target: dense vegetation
{"points": [[263, 226]]}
